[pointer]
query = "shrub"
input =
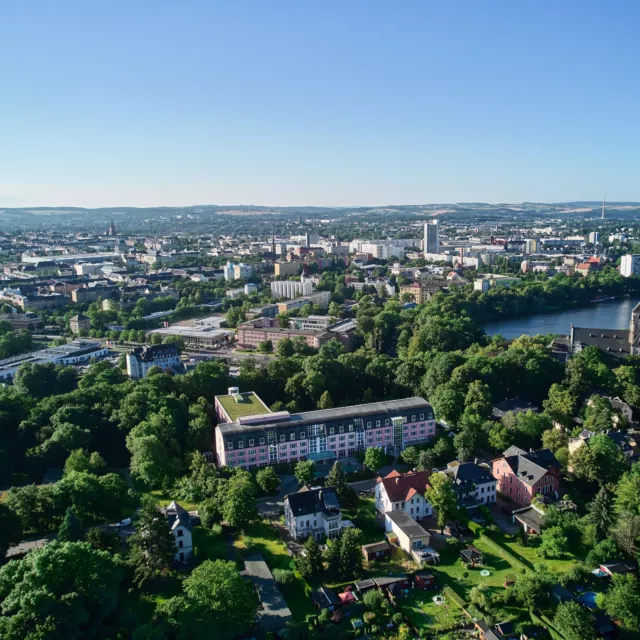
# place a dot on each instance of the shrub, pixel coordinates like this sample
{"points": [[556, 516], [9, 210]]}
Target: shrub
{"points": [[336, 616], [450, 593], [397, 618], [465, 574], [284, 576], [369, 617]]}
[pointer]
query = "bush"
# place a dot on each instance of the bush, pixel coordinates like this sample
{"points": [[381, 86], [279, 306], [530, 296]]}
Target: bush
{"points": [[374, 599], [397, 619], [450, 593], [336, 616], [284, 576], [368, 617], [465, 574]]}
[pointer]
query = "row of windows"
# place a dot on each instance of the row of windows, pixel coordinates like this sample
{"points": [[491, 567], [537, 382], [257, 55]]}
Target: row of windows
{"points": [[303, 435]]}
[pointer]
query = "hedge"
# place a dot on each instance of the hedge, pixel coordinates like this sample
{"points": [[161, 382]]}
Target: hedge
{"points": [[503, 553], [544, 622], [449, 592]]}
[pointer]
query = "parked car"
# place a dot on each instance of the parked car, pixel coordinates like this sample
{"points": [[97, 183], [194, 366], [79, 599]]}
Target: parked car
{"points": [[127, 522]]}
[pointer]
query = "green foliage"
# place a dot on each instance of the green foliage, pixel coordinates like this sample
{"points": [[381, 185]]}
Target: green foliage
{"points": [[152, 546], [310, 563], [532, 589], [573, 621], [622, 601], [80, 460], [71, 529], [554, 543], [442, 496], [35, 593], [345, 555], [305, 472], [240, 507], [600, 512], [600, 460], [268, 480], [375, 458], [10, 529]]}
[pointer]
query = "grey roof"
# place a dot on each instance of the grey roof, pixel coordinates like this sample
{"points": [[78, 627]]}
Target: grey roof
{"points": [[407, 524], [175, 512], [467, 474], [307, 501], [531, 517], [530, 467], [339, 413], [613, 341], [376, 546], [275, 612]]}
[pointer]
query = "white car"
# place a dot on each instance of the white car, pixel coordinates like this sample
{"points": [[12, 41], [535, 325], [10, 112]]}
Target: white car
{"points": [[124, 523]]}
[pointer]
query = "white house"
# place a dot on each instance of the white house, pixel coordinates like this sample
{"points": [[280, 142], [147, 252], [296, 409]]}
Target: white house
{"points": [[141, 359], [403, 492], [473, 483], [180, 524], [313, 512]]}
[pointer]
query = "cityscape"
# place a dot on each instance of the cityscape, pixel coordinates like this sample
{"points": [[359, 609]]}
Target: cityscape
{"points": [[392, 392]]}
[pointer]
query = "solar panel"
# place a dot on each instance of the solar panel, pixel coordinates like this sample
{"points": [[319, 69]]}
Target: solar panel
{"points": [[331, 501]]}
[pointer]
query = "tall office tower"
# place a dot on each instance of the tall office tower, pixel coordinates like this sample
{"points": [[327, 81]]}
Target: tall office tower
{"points": [[630, 265], [431, 237]]}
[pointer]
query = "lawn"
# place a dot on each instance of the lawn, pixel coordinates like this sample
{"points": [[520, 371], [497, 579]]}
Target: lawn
{"points": [[531, 556], [363, 516], [422, 611], [263, 538], [164, 498], [209, 544], [249, 405]]}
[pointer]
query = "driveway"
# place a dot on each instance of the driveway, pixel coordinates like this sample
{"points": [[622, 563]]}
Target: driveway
{"points": [[29, 545], [272, 506], [503, 520]]}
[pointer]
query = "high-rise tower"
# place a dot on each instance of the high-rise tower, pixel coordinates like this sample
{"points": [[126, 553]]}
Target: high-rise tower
{"points": [[431, 237]]}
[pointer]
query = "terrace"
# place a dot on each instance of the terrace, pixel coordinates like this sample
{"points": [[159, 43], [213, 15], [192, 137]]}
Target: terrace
{"points": [[242, 405]]}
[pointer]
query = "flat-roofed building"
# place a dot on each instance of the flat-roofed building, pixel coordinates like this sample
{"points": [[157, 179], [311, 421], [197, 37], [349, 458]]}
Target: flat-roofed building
{"points": [[250, 435]]}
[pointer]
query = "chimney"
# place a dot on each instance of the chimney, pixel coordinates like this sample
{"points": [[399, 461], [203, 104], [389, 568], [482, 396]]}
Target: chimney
{"points": [[398, 480], [475, 460]]}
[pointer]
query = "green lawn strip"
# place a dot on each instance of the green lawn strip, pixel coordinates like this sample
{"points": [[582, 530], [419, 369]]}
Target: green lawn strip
{"points": [[209, 544], [421, 611], [544, 622], [164, 498], [517, 562], [262, 538]]}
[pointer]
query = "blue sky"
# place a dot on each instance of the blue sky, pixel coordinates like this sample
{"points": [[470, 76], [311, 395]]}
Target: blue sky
{"points": [[332, 102]]}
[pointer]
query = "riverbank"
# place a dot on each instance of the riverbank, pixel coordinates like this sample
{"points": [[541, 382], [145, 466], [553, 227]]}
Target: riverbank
{"points": [[609, 314]]}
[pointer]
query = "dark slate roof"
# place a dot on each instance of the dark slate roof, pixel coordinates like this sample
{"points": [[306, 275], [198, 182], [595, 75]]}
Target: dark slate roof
{"points": [[467, 474], [374, 547], [313, 501], [530, 467], [176, 512], [531, 517], [407, 524], [149, 354], [513, 404], [389, 407], [613, 341]]}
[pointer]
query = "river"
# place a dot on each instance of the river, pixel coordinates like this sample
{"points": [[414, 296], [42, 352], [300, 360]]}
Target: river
{"points": [[614, 314]]}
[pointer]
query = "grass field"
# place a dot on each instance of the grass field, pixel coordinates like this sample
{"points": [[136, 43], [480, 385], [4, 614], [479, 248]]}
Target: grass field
{"points": [[165, 498], [263, 538], [422, 611]]}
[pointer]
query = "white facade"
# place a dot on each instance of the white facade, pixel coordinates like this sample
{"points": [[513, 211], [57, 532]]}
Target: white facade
{"points": [[431, 237], [482, 284], [138, 364], [415, 507], [630, 265], [291, 288]]}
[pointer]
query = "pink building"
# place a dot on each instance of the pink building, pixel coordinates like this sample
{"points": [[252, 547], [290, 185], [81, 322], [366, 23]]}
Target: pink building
{"points": [[249, 435], [521, 475]]}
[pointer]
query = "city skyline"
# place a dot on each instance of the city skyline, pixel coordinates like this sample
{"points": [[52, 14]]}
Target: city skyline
{"points": [[289, 104]]}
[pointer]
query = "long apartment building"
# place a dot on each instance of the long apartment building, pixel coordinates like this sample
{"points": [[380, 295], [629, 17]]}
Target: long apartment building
{"points": [[249, 435], [291, 288]]}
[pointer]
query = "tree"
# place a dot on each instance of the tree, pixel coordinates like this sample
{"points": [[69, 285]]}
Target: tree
{"points": [[622, 600], [442, 496], [153, 547], [448, 403], [62, 591], [305, 471], [410, 456], [598, 414], [554, 542], [532, 589], [560, 405], [627, 534], [284, 348], [240, 507], [310, 564], [598, 460], [501, 437], [268, 480], [628, 492], [554, 439], [478, 399], [71, 529], [337, 479], [265, 347], [426, 460], [600, 512], [325, 401], [375, 458], [345, 555], [80, 460], [374, 600], [573, 622], [10, 529], [221, 598]]}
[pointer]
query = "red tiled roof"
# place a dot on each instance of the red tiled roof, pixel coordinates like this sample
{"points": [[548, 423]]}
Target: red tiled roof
{"points": [[404, 486]]}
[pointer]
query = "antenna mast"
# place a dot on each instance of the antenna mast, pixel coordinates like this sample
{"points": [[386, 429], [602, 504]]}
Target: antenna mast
{"points": [[603, 201]]}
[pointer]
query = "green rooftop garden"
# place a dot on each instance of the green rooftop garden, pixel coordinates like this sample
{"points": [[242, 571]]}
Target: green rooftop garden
{"points": [[249, 405]]}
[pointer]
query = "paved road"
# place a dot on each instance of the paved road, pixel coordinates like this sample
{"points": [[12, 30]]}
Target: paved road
{"points": [[272, 506]]}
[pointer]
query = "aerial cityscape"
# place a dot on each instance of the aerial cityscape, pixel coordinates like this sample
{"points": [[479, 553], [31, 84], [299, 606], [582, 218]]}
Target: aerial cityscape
{"points": [[396, 396]]}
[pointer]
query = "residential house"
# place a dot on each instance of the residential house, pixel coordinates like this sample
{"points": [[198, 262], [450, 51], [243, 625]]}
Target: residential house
{"points": [[473, 483], [141, 359], [79, 323], [179, 522], [521, 475], [404, 492], [411, 536], [512, 405], [620, 438], [313, 512]]}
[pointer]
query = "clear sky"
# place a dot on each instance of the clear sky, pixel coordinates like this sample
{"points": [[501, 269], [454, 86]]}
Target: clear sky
{"points": [[318, 102]]}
